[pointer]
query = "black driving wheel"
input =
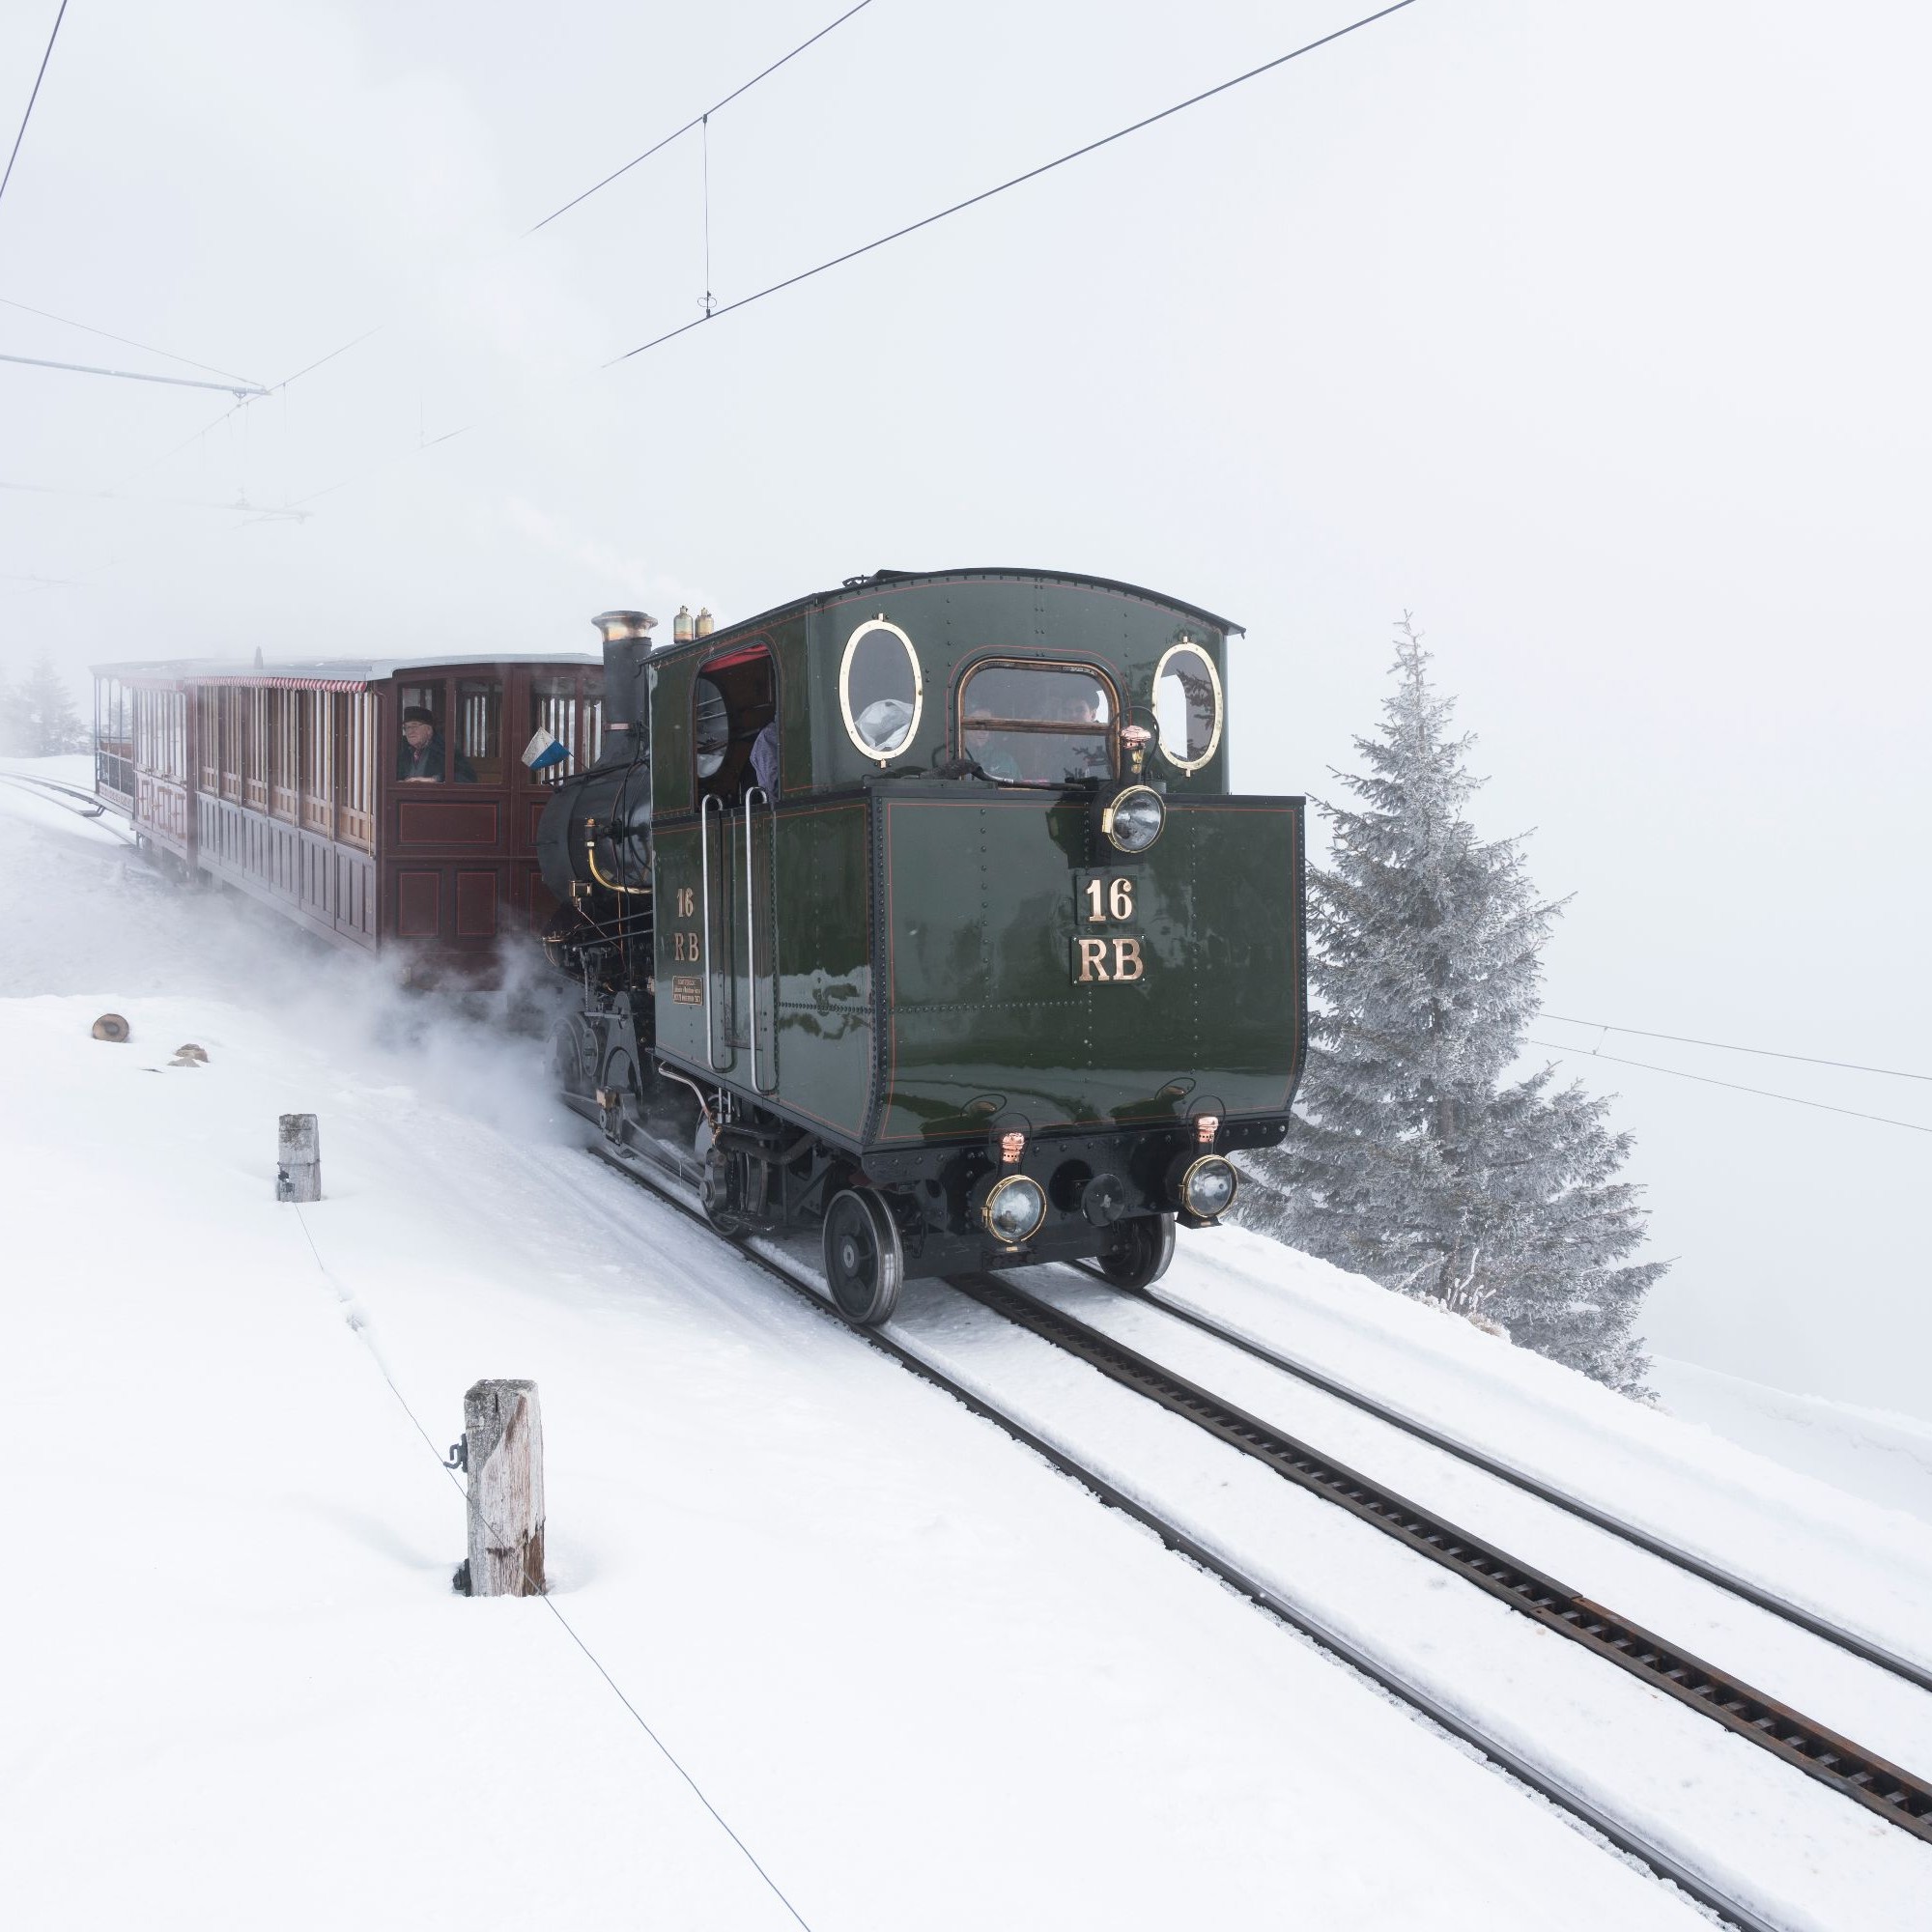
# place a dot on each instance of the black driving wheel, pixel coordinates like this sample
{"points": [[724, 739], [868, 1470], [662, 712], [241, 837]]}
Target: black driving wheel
{"points": [[1140, 1256], [864, 1263], [573, 1055]]}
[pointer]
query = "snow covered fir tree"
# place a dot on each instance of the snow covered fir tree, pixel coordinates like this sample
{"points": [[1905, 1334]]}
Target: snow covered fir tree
{"points": [[1416, 1158], [37, 716]]}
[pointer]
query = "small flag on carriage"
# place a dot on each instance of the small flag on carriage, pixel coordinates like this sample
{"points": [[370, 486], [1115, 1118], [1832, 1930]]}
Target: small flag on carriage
{"points": [[544, 751]]}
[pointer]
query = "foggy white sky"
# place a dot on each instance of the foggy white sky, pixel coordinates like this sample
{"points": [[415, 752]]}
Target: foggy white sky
{"points": [[1592, 336]]}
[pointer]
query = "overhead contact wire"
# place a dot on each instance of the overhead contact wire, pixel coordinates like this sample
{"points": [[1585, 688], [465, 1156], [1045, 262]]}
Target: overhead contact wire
{"points": [[1032, 174], [1726, 1046], [1763, 1092], [697, 121], [33, 97]]}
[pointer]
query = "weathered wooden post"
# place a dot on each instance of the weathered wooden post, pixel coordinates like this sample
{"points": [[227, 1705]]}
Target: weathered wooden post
{"points": [[299, 1159], [503, 1436]]}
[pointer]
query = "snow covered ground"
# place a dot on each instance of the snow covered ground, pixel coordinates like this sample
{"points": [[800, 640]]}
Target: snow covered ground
{"points": [[1875, 1453], [924, 1679]]}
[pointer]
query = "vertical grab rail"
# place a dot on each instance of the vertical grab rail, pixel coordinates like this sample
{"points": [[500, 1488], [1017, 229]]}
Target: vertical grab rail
{"points": [[751, 940], [704, 878]]}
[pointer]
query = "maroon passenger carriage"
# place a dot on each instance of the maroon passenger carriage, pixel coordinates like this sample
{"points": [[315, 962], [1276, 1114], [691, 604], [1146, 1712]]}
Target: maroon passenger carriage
{"points": [[285, 781]]}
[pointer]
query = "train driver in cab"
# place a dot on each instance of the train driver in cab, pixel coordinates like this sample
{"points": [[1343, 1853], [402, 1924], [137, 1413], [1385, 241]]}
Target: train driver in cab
{"points": [[421, 757]]}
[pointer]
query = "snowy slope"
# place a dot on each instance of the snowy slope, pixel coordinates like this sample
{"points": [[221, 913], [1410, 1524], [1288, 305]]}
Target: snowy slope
{"points": [[927, 1681], [1874, 1453]]}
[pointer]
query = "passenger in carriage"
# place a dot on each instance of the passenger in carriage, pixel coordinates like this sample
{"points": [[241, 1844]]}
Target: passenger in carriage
{"points": [[420, 757]]}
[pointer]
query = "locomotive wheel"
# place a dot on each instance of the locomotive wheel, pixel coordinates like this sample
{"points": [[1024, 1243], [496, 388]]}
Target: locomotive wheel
{"points": [[573, 1055], [713, 1186], [1141, 1255], [863, 1261]]}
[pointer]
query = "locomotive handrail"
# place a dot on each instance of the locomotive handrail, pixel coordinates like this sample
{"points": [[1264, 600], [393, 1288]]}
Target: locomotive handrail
{"points": [[704, 881], [752, 943]]}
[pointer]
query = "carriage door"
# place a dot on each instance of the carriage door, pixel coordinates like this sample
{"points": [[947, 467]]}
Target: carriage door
{"points": [[735, 702]]}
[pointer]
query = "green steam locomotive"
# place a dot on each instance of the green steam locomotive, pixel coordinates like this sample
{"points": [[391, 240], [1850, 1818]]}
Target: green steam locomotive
{"points": [[920, 911]]}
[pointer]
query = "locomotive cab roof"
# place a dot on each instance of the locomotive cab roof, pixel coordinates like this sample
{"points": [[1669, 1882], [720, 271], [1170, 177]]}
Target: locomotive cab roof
{"points": [[901, 580]]}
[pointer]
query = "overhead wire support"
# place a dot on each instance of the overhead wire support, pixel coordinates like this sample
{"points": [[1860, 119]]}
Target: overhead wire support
{"points": [[697, 121], [126, 341], [1032, 174], [33, 97], [241, 391]]}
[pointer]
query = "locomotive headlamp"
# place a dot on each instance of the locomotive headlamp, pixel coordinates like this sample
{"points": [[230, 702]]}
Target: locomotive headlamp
{"points": [[1013, 1209], [1203, 1185], [1135, 820]]}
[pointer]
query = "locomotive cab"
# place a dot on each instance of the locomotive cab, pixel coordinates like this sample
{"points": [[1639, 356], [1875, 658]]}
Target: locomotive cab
{"points": [[922, 910]]}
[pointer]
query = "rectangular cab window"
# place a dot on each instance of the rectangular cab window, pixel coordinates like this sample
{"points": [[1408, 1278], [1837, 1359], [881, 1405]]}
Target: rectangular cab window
{"points": [[1038, 724]]}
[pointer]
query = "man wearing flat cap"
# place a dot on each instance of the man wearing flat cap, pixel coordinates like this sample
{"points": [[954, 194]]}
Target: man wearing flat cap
{"points": [[420, 760]]}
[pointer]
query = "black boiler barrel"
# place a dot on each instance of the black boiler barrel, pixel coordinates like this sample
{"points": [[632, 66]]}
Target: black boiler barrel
{"points": [[595, 833]]}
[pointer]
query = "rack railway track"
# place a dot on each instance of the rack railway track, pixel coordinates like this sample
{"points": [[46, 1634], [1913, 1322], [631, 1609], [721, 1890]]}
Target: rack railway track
{"points": [[1884, 1788], [1894, 1794], [1742, 1587]]}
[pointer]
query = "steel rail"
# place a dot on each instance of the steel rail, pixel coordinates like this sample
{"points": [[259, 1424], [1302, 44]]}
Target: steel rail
{"points": [[1835, 1761], [55, 791], [1764, 1599], [669, 1185]]}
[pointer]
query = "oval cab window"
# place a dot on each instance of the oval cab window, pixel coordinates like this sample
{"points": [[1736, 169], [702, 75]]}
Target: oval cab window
{"points": [[880, 690], [1187, 705]]}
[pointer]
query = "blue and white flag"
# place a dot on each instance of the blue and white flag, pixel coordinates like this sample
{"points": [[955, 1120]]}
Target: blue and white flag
{"points": [[544, 751]]}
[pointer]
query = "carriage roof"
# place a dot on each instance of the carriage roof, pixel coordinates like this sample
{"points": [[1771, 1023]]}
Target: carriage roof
{"points": [[328, 674]]}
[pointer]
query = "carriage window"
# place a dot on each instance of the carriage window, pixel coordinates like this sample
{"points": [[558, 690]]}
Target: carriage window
{"points": [[1036, 724], [423, 745], [880, 690], [479, 729], [554, 709], [1187, 705]]}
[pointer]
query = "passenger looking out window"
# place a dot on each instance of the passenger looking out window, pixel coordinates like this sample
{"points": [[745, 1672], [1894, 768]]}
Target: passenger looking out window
{"points": [[1038, 724], [421, 757]]}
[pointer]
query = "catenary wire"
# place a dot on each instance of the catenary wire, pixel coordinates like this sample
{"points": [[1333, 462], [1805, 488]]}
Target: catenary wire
{"points": [[543, 1595], [696, 121], [1032, 174], [33, 97], [851, 254], [127, 341], [1724, 1046], [1763, 1092]]}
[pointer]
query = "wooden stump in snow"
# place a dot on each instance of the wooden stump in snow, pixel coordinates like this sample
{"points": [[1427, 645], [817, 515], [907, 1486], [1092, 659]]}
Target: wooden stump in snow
{"points": [[502, 1434], [299, 1159]]}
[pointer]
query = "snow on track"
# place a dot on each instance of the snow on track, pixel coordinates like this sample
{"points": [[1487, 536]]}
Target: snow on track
{"points": [[1854, 1561], [1756, 1829], [1859, 1701]]}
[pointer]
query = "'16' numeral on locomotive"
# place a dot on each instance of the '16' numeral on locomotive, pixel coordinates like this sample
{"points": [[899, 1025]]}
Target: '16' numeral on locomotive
{"points": [[684, 944], [1118, 902]]}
